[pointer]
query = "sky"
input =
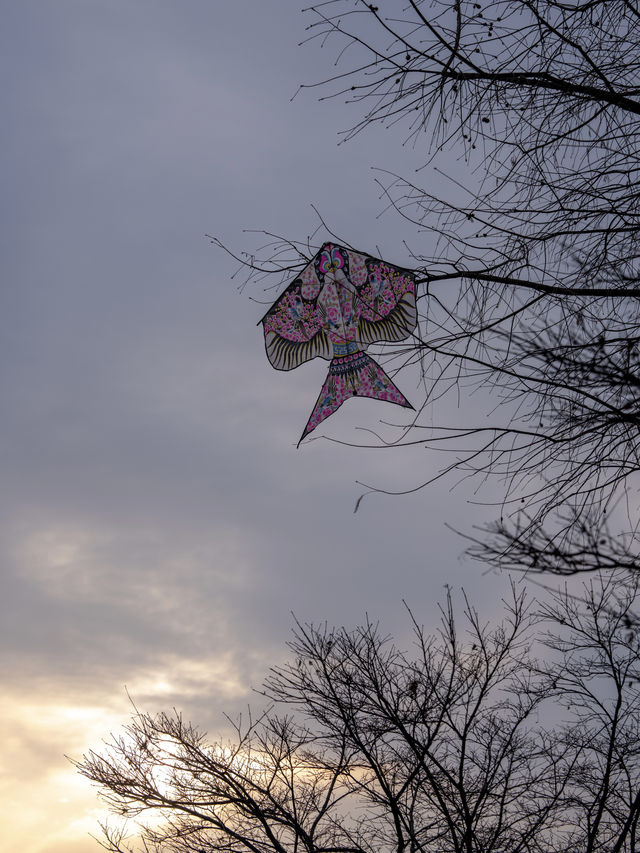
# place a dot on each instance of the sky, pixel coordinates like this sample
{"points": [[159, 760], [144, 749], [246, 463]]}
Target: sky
{"points": [[159, 526]]}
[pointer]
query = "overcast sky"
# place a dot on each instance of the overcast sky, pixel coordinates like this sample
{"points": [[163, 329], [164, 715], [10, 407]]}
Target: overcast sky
{"points": [[158, 524]]}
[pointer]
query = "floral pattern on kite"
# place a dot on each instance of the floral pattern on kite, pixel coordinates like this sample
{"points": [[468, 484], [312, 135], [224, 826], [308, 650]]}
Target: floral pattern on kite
{"points": [[339, 304]]}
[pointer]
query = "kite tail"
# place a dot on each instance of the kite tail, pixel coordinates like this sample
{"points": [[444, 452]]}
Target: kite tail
{"points": [[355, 375]]}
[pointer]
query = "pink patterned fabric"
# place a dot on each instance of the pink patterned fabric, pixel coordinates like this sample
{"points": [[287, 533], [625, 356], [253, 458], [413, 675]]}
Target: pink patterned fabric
{"points": [[355, 375], [340, 303]]}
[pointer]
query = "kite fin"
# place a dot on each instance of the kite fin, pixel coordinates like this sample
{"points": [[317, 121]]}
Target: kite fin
{"points": [[355, 375]]}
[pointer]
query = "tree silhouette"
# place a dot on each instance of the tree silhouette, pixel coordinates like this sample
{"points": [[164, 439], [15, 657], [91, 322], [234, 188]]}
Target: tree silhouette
{"points": [[458, 747], [531, 289]]}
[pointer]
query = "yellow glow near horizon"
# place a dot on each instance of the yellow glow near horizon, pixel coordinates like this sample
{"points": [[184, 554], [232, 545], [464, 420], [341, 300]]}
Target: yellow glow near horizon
{"points": [[45, 805]]}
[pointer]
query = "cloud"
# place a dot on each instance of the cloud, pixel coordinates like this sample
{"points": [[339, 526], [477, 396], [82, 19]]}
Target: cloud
{"points": [[159, 526], [44, 802]]}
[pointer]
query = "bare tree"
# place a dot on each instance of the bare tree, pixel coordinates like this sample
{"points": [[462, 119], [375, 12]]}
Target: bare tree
{"points": [[458, 746], [530, 284]]}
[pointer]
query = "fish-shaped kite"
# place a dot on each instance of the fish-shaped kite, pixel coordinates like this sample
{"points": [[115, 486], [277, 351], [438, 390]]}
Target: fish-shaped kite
{"points": [[339, 304]]}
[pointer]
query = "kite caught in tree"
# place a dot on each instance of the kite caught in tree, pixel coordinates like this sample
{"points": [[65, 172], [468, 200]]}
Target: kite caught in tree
{"points": [[339, 304]]}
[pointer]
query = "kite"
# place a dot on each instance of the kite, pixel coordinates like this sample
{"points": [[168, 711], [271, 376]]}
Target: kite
{"points": [[339, 304]]}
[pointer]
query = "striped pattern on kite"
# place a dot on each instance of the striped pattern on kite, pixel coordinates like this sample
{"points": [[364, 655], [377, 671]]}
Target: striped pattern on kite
{"points": [[285, 354]]}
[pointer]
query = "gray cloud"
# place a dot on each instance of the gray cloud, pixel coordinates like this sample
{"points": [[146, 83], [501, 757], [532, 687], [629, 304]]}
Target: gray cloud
{"points": [[158, 524]]}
